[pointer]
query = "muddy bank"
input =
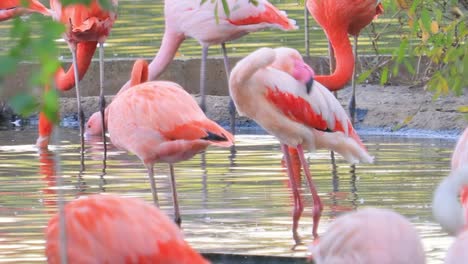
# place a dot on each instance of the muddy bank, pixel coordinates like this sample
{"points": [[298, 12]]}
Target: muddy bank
{"points": [[390, 107]]}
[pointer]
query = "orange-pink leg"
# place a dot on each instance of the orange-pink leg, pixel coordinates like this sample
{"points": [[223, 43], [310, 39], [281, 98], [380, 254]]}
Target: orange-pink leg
{"points": [[45, 129], [298, 206], [318, 207]]}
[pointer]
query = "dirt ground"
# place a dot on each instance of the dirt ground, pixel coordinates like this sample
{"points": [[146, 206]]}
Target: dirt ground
{"points": [[390, 107]]}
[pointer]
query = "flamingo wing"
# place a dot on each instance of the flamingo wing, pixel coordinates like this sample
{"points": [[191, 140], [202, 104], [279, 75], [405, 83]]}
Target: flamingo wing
{"points": [[167, 108], [263, 12], [318, 109]]}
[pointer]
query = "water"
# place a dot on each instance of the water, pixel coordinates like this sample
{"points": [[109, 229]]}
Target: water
{"points": [[229, 203], [139, 29]]}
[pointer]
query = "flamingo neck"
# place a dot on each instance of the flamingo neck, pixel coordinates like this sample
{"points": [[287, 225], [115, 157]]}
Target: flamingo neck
{"points": [[344, 61], [139, 73], [169, 46], [84, 54]]}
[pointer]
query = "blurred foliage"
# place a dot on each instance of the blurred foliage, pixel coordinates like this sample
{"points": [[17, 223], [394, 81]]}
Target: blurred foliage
{"points": [[433, 43], [42, 49], [432, 48]]}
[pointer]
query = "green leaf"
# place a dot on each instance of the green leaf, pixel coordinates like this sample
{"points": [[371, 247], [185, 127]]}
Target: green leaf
{"points": [[216, 13], [426, 19], [364, 75], [226, 8], [24, 104], [384, 77], [69, 2], [8, 65], [50, 105]]}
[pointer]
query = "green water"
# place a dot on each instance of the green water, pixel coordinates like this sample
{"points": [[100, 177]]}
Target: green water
{"points": [[239, 204], [140, 26]]}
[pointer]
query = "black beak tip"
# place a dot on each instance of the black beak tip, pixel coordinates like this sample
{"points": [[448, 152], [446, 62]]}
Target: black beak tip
{"points": [[309, 84]]}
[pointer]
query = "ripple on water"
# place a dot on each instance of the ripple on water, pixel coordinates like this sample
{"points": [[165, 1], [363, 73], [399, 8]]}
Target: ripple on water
{"points": [[230, 202]]}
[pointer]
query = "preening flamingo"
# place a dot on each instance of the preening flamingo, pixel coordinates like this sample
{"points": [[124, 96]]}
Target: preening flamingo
{"points": [[188, 18], [113, 229], [160, 122], [12, 8], [369, 236], [450, 202], [86, 26], [276, 88], [338, 18]]}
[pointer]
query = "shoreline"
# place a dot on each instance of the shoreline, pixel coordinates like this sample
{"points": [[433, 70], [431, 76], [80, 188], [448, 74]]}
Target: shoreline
{"points": [[390, 110]]}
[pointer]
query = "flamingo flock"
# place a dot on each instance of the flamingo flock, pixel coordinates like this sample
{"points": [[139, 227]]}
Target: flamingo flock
{"points": [[159, 121]]}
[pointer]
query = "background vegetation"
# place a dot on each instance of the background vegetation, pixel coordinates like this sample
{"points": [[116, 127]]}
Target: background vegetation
{"points": [[433, 45]]}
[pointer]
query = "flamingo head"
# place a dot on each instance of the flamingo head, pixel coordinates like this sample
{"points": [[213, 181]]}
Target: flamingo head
{"points": [[94, 125], [290, 61]]}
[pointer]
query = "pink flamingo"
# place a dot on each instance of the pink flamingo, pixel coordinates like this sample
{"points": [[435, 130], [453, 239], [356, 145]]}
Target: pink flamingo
{"points": [[86, 26], [338, 18], [276, 89], [450, 202], [160, 122], [369, 236], [188, 18], [12, 8], [113, 229]]}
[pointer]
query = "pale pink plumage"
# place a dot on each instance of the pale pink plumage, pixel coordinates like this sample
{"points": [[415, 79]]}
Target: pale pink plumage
{"points": [[272, 86], [160, 122], [197, 19], [369, 236], [112, 229], [450, 202], [460, 153]]}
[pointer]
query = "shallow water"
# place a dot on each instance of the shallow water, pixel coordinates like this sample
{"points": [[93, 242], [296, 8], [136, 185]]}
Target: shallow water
{"points": [[229, 203]]}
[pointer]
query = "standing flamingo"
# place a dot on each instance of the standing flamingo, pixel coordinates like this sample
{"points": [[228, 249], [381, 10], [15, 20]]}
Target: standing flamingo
{"points": [[276, 88], [450, 203], [160, 122], [113, 229], [188, 18], [12, 8], [370, 236], [86, 26], [339, 18]]}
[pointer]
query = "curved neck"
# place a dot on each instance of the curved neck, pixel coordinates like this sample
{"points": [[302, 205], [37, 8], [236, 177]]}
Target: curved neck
{"points": [[139, 73], [344, 62], [169, 46], [84, 54]]}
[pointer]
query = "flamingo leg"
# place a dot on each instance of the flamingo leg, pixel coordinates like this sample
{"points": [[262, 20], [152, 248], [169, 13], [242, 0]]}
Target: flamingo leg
{"points": [[318, 207], [102, 99], [203, 78], [232, 107], [78, 96], [352, 102], [298, 206], [331, 55], [177, 218], [154, 192]]}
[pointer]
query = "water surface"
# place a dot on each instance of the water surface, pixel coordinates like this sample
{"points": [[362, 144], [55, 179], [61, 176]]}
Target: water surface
{"points": [[230, 203]]}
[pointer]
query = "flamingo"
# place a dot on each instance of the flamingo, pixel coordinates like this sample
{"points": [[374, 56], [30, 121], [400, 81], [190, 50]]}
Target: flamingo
{"points": [[12, 8], [369, 236], [112, 229], [339, 18], [275, 87], [188, 18], [86, 26], [160, 122], [450, 202]]}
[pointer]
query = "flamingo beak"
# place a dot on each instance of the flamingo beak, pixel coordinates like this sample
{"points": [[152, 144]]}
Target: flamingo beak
{"points": [[309, 84]]}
